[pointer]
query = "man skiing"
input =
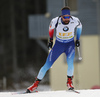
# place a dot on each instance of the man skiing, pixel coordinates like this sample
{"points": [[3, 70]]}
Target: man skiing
{"points": [[65, 25]]}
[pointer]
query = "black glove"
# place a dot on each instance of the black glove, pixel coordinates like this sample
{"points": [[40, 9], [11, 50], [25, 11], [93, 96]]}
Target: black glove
{"points": [[77, 43], [50, 43]]}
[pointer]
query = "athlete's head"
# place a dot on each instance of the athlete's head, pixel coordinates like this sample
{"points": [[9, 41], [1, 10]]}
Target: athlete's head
{"points": [[65, 14]]}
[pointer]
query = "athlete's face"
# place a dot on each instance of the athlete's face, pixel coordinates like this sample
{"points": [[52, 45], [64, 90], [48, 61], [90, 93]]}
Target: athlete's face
{"points": [[66, 18]]}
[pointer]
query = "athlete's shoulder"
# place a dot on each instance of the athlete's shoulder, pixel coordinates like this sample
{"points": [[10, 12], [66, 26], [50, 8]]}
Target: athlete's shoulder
{"points": [[75, 18], [53, 23], [55, 19], [77, 21]]}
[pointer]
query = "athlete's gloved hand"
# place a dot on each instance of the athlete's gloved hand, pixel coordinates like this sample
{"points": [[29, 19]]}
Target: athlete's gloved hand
{"points": [[50, 43], [77, 43]]}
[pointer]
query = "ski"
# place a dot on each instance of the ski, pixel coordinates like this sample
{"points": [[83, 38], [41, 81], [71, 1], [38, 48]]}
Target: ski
{"points": [[24, 92], [75, 91], [14, 93]]}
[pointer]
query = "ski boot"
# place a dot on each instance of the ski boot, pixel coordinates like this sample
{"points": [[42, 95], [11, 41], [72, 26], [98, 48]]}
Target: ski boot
{"points": [[69, 83], [34, 86]]}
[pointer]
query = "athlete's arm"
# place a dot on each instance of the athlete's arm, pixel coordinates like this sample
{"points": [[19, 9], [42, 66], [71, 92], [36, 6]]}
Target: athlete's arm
{"points": [[51, 31], [78, 31]]}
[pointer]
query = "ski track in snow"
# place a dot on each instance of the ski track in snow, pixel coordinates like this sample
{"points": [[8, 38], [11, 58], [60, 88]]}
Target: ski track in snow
{"points": [[62, 93]]}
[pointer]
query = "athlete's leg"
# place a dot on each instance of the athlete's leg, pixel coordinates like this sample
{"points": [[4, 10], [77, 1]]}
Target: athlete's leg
{"points": [[54, 54], [70, 52], [70, 58]]}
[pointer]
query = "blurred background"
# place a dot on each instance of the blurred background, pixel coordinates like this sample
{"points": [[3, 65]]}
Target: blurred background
{"points": [[23, 43]]}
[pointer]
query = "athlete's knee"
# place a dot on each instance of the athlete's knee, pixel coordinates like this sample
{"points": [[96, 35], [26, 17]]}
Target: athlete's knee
{"points": [[47, 66]]}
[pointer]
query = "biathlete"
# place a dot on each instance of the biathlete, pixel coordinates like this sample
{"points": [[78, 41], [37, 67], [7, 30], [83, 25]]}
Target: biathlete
{"points": [[66, 26]]}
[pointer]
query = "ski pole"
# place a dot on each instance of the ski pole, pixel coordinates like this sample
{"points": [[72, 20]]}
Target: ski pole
{"points": [[79, 55], [49, 49]]}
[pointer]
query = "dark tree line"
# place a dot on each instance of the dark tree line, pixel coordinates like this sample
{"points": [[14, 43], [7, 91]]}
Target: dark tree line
{"points": [[17, 51]]}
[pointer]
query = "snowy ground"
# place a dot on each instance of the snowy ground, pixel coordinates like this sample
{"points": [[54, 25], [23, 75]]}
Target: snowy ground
{"points": [[63, 93]]}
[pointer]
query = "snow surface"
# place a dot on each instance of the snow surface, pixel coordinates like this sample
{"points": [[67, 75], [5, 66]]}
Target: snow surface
{"points": [[63, 93]]}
